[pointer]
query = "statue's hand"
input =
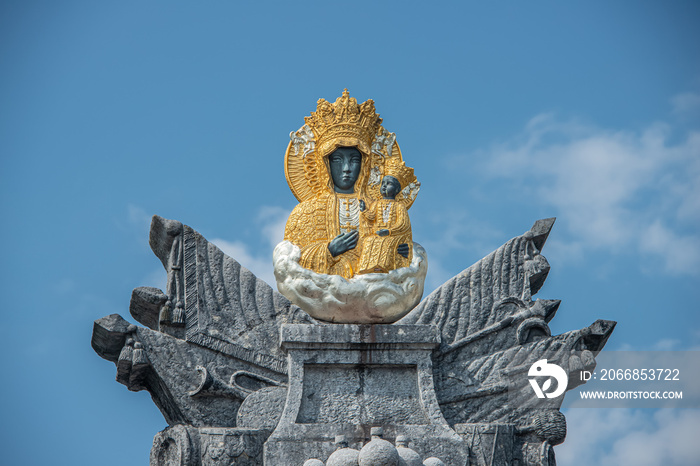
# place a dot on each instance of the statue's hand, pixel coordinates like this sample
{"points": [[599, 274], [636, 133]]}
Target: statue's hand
{"points": [[383, 232], [403, 250], [363, 206], [343, 242]]}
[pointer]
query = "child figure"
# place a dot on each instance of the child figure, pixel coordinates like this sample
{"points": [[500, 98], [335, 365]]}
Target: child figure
{"points": [[387, 243]]}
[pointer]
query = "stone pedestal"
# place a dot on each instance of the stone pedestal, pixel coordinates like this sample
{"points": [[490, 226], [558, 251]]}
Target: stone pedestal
{"points": [[182, 445], [346, 379]]}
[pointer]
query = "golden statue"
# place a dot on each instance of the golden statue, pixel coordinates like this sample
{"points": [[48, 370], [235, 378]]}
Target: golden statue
{"points": [[340, 165], [387, 240]]}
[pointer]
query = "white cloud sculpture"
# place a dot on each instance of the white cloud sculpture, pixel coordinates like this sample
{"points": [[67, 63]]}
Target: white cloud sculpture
{"points": [[369, 298]]}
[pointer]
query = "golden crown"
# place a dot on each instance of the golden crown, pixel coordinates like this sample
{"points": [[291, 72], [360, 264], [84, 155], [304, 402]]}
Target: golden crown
{"points": [[397, 168], [344, 124]]}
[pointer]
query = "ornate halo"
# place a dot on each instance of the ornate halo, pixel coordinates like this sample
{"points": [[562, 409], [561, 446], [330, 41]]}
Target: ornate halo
{"points": [[307, 173]]}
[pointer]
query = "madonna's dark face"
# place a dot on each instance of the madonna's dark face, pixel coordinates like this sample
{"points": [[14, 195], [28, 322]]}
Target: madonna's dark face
{"points": [[345, 164]]}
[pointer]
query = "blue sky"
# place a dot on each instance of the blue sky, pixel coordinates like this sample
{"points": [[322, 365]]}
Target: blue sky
{"points": [[114, 111]]}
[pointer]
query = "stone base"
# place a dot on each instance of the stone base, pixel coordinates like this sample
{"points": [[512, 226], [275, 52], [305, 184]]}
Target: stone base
{"points": [[346, 379], [208, 446]]}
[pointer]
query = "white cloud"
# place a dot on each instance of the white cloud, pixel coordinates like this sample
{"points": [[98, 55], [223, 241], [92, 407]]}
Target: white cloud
{"points": [[630, 437], [679, 253], [273, 220], [613, 190], [258, 260]]}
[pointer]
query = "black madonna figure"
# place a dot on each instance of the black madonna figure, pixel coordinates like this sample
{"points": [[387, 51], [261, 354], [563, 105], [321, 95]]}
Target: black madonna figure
{"points": [[345, 164]]}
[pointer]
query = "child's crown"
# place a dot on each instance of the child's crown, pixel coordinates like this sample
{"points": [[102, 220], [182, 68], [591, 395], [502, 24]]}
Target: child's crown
{"points": [[398, 169]]}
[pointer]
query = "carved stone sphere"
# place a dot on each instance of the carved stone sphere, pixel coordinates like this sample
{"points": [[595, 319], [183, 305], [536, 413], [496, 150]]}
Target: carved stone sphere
{"points": [[408, 457], [313, 462], [379, 452], [344, 457], [432, 461]]}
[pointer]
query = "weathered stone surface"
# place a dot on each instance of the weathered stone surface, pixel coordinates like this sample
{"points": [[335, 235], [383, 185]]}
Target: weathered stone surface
{"points": [[207, 446], [345, 379], [378, 452], [145, 305], [109, 336], [232, 327], [475, 299], [262, 409], [342, 337], [313, 462], [176, 446], [489, 444], [344, 457], [373, 405], [172, 386], [227, 308], [494, 388], [491, 330], [407, 456]]}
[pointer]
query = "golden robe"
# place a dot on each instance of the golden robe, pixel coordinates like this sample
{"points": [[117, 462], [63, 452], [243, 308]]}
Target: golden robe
{"points": [[311, 226], [378, 253]]}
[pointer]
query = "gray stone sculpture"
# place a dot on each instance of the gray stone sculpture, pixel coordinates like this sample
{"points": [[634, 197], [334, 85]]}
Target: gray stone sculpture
{"points": [[244, 377]]}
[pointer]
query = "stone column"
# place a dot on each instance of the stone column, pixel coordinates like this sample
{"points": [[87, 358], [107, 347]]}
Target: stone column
{"points": [[346, 379]]}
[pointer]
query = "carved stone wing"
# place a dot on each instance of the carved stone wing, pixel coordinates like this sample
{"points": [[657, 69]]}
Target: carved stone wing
{"points": [[226, 307], [211, 339], [492, 332], [486, 295]]}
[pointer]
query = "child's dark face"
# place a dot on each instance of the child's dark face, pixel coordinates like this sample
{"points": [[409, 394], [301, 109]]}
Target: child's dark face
{"points": [[390, 187]]}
